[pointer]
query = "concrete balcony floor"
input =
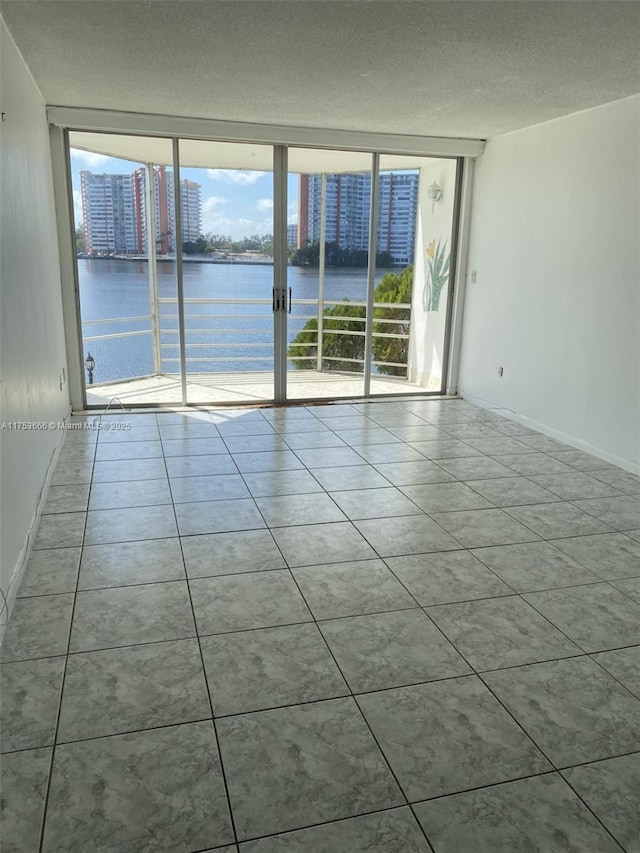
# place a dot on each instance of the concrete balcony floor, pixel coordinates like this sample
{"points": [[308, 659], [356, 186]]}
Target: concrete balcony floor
{"points": [[250, 387]]}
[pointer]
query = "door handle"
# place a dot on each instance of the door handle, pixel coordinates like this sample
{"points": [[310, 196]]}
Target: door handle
{"points": [[275, 302], [289, 300]]}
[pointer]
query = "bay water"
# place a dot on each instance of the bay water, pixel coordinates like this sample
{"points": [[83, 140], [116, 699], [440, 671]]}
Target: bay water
{"points": [[113, 289]]}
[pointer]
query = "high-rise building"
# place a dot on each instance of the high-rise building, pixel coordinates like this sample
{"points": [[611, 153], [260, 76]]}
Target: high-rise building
{"points": [[292, 235], [347, 210], [397, 208], [191, 210], [164, 210], [108, 213], [114, 210], [348, 200]]}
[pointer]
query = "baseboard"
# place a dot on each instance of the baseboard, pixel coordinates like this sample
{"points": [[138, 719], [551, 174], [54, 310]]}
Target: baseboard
{"points": [[9, 595], [578, 443]]}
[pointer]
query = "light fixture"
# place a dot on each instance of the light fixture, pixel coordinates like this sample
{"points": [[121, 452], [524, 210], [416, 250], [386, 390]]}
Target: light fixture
{"points": [[435, 194], [90, 364]]}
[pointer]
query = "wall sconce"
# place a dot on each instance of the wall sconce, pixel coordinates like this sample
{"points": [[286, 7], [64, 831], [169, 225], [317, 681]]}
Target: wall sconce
{"points": [[435, 195]]}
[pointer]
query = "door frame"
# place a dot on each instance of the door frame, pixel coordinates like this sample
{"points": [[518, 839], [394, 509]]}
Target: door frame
{"points": [[280, 174], [64, 119]]}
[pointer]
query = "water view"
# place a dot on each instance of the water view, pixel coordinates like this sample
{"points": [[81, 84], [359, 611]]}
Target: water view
{"points": [[113, 290]]}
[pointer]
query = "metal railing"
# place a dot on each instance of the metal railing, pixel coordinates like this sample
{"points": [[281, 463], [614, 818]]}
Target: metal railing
{"points": [[126, 334], [319, 357]]}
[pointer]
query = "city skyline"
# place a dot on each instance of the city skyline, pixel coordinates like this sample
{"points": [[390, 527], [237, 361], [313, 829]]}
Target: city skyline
{"points": [[239, 203], [234, 202], [114, 211]]}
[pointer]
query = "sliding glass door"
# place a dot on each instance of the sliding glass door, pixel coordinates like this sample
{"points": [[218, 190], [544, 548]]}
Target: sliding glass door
{"points": [[228, 271], [126, 268], [328, 234], [370, 304], [417, 227], [216, 272]]}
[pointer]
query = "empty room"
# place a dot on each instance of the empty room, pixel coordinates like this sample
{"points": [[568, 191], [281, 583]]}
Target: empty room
{"points": [[320, 426]]}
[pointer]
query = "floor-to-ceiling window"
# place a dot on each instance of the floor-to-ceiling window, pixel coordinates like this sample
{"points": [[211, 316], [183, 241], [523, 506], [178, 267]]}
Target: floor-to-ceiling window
{"points": [[328, 234], [417, 230], [127, 280], [217, 272], [228, 270]]}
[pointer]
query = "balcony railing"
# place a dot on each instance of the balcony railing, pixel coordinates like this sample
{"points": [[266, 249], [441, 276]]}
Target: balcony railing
{"points": [[166, 345]]}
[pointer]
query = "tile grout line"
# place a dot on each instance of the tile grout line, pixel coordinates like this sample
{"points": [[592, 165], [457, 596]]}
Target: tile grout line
{"points": [[206, 684], [383, 810], [354, 700], [339, 669], [591, 657], [556, 769], [608, 831], [45, 809], [472, 669], [291, 624], [316, 622]]}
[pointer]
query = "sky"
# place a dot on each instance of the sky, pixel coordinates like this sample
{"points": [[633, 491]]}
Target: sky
{"points": [[234, 202]]}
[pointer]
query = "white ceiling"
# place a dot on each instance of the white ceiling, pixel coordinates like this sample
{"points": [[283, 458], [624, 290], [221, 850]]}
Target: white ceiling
{"points": [[466, 69]]}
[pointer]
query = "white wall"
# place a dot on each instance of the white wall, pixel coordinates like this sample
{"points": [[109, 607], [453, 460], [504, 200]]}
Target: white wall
{"points": [[32, 349], [555, 236]]}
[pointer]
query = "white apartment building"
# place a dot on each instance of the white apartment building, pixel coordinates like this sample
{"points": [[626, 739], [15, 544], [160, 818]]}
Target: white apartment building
{"points": [[108, 213], [397, 206], [191, 210], [348, 199], [164, 209], [114, 210]]}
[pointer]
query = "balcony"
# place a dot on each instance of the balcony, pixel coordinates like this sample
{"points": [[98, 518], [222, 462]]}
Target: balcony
{"points": [[214, 375]]}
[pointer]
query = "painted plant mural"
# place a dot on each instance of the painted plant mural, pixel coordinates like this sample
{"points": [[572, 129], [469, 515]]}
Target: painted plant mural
{"points": [[438, 275]]}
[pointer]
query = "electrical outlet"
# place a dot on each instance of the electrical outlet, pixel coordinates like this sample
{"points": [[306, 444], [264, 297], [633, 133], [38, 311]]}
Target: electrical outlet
{"points": [[501, 371]]}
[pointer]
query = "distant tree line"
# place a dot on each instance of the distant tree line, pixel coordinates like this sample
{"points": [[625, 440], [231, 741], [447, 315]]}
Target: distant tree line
{"points": [[207, 244], [335, 256], [307, 256]]}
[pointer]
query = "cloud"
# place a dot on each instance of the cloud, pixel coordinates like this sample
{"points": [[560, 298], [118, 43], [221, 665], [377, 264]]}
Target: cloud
{"points": [[212, 202], [241, 177], [213, 218], [216, 219], [265, 204], [89, 158]]}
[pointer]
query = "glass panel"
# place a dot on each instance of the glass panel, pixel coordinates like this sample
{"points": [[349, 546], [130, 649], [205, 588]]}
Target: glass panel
{"points": [[415, 222], [326, 326], [227, 243], [117, 284]]}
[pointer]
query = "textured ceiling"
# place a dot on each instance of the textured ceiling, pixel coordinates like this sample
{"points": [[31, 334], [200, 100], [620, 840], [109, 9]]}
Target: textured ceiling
{"points": [[469, 69]]}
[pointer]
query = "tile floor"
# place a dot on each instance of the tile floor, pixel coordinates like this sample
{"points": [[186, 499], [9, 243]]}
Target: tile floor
{"points": [[391, 627]]}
